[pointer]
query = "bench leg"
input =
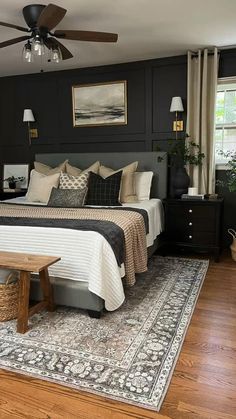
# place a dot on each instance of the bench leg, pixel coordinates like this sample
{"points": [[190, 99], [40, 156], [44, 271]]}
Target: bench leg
{"points": [[23, 304], [46, 289]]}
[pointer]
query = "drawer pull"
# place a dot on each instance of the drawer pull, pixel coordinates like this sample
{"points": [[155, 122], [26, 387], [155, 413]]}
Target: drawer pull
{"points": [[190, 210], [190, 224], [190, 237]]}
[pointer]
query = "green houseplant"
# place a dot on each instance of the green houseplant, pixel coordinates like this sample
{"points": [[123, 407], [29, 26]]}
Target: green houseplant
{"points": [[185, 151], [230, 181], [12, 181]]}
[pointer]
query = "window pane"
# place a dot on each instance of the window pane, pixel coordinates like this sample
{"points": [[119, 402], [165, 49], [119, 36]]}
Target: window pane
{"points": [[225, 134], [229, 139], [218, 139], [230, 107], [230, 115], [220, 107], [220, 112]]}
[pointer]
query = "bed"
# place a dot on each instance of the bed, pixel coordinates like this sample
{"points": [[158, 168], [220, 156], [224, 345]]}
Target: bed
{"points": [[88, 275]]}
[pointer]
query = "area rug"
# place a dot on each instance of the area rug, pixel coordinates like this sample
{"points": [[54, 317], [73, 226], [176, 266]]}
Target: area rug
{"points": [[128, 355]]}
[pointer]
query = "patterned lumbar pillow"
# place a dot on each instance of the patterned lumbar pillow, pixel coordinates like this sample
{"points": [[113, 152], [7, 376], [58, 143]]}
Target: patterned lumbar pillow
{"points": [[67, 198], [104, 192], [73, 182], [75, 171], [48, 170]]}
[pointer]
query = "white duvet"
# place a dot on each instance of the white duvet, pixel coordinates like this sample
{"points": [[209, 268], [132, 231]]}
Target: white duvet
{"points": [[85, 255]]}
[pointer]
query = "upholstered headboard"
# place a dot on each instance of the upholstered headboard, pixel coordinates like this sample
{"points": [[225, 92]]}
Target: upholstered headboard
{"points": [[150, 160]]}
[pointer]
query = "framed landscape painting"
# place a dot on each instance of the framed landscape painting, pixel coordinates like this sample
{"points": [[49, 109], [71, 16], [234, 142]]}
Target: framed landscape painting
{"points": [[100, 104]]}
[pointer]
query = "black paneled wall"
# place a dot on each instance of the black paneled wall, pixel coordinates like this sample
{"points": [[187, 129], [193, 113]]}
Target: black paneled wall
{"points": [[151, 85]]}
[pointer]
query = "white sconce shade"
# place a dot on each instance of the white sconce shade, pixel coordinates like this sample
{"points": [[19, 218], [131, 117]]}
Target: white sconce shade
{"points": [[176, 104], [28, 115]]}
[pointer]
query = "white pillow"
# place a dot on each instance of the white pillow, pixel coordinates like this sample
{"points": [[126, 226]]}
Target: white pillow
{"points": [[40, 186], [143, 182]]}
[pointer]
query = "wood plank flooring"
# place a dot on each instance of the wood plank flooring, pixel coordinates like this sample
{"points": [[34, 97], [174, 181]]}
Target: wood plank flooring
{"points": [[203, 385]]}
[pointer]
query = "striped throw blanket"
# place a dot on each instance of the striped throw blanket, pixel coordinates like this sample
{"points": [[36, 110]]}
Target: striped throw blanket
{"points": [[131, 222]]}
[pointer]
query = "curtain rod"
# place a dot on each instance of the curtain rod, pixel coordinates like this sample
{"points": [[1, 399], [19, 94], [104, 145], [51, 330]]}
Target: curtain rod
{"points": [[195, 54], [220, 48]]}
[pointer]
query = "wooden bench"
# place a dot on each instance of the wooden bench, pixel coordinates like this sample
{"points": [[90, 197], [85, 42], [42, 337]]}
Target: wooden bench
{"points": [[27, 264]]}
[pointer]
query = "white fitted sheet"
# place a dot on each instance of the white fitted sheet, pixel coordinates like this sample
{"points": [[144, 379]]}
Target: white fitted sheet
{"points": [[85, 255]]}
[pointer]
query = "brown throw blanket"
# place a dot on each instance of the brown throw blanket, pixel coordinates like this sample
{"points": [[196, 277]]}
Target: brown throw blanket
{"points": [[132, 224]]}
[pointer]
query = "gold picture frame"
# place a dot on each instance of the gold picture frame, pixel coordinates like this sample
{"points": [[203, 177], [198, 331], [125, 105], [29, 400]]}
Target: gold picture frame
{"points": [[100, 104]]}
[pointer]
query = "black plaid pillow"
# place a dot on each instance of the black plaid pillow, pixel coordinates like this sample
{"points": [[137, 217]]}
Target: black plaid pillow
{"points": [[104, 192], [67, 198]]}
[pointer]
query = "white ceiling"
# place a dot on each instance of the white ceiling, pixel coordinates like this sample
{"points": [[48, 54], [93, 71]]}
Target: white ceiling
{"points": [[146, 28]]}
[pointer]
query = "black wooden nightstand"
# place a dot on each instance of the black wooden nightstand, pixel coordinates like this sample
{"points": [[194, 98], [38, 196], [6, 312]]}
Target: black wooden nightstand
{"points": [[8, 195], [194, 224]]}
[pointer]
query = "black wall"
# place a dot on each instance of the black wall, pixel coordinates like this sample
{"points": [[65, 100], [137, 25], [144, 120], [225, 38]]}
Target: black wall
{"points": [[151, 85]]}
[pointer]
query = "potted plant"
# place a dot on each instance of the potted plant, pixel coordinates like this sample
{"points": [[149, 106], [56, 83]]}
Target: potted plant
{"points": [[12, 181], [182, 152], [230, 181]]}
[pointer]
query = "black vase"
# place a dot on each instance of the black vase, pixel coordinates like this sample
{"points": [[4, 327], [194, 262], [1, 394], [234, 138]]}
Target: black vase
{"points": [[180, 182]]}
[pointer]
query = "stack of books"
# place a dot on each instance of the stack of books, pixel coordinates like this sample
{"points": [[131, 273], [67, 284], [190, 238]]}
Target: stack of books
{"points": [[197, 196], [12, 190]]}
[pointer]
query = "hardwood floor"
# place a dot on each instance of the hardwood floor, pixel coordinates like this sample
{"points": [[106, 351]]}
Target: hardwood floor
{"points": [[203, 384]]}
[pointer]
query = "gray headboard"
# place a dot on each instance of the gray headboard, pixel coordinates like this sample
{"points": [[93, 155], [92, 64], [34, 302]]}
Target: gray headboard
{"points": [[147, 161]]}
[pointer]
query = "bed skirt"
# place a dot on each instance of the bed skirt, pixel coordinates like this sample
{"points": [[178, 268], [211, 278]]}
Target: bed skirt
{"points": [[76, 293]]}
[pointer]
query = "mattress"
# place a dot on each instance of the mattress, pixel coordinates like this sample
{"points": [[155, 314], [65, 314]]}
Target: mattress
{"points": [[85, 255]]}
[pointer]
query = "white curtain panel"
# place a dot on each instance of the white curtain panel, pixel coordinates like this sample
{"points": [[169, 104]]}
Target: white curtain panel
{"points": [[202, 89]]}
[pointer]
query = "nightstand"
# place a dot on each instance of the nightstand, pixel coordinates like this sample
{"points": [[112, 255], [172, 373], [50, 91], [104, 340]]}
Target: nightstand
{"points": [[194, 224], [8, 195]]}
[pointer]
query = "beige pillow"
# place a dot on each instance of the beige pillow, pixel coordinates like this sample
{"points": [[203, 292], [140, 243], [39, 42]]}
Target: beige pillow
{"points": [[127, 192], [75, 171], [48, 170], [40, 186]]}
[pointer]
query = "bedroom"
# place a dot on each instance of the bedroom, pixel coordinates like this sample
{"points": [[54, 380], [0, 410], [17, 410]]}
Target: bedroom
{"points": [[151, 57]]}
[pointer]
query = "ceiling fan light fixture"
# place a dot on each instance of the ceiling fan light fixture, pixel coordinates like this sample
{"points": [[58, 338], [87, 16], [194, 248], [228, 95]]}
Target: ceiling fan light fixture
{"points": [[38, 47], [27, 53], [41, 19], [55, 54]]}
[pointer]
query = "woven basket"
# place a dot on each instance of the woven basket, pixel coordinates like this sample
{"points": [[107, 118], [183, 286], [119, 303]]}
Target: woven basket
{"points": [[9, 294], [233, 245]]}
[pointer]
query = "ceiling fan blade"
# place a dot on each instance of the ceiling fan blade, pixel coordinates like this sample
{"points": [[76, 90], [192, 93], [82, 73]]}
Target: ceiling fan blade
{"points": [[51, 42], [86, 35], [13, 41], [51, 16], [9, 25]]}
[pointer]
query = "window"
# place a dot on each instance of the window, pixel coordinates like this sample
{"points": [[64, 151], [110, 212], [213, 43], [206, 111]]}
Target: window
{"points": [[225, 130]]}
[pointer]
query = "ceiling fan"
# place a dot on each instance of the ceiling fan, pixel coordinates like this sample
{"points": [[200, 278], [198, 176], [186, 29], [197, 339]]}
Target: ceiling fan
{"points": [[41, 20]]}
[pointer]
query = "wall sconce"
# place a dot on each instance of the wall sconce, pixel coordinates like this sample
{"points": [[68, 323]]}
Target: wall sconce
{"points": [[29, 117], [177, 106]]}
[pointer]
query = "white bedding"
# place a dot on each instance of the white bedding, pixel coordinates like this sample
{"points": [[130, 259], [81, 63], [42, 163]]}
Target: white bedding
{"points": [[85, 256]]}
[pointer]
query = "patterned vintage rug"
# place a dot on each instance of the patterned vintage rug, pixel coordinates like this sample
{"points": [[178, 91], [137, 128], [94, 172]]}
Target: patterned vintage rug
{"points": [[128, 355]]}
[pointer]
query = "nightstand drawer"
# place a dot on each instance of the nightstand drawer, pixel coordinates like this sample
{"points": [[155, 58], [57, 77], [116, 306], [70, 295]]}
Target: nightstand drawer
{"points": [[198, 238], [196, 212]]}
